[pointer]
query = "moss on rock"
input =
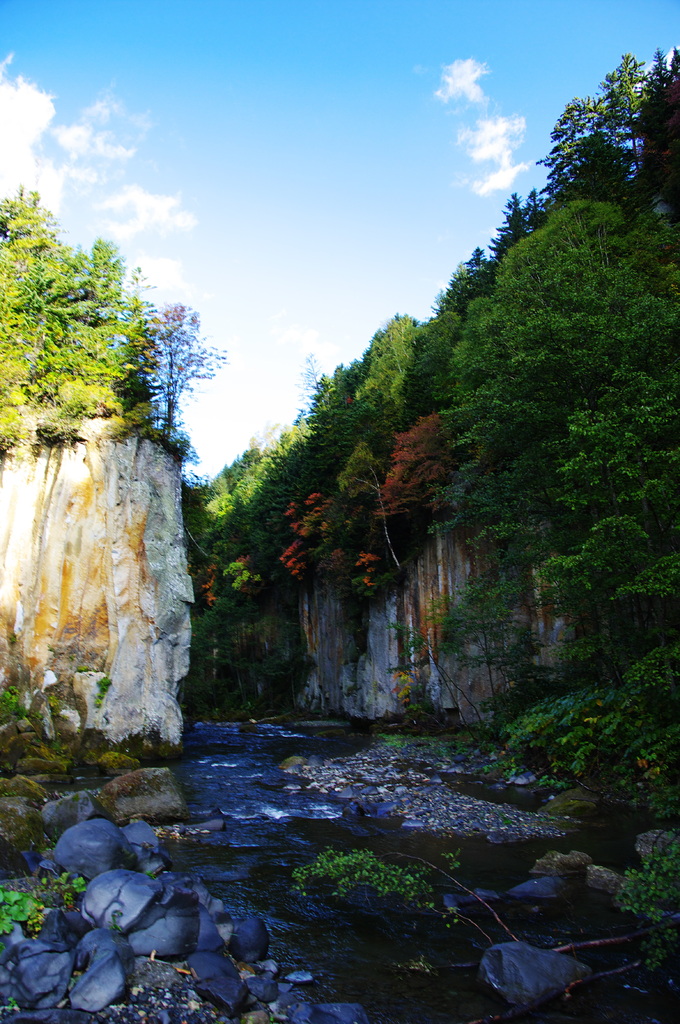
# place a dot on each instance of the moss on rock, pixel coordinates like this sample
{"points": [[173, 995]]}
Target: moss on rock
{"points": [[24, 787], [115, 763], [21, 824]]}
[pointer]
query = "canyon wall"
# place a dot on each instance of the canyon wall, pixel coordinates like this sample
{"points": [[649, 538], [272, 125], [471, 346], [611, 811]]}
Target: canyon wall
{"points": [[361, 668], [94, 592]]}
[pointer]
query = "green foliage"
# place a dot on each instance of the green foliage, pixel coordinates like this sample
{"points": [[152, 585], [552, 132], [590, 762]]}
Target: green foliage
{"points": [[653, 892], [361, 869], [62, 890], [103, 687], [12, 705], [19, 908]]}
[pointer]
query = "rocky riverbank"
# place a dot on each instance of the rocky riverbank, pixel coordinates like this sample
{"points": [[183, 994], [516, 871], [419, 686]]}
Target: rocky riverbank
{"points": [[418, 783]]}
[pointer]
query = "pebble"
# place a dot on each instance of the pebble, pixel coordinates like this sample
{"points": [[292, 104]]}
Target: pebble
{"points": [[424, 793]]}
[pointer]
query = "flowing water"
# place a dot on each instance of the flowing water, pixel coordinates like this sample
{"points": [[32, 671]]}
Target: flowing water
{"points": [[397, 963]]}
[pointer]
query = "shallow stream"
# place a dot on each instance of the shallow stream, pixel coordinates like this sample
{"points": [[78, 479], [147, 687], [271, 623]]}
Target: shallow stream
{"points": [[397, 963]]}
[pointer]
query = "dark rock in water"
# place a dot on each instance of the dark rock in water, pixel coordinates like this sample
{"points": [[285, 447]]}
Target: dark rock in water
{"points": [[213, 825], [548, 887], [555, 863], [574, 803], [656, 839], [385, 809], [153, 914], [152, 857], [208, 966], [521, 973], [58, 815], [35, 974], [604, 879], [226, 994], [149, 793], [93, 847], [108, 959], [250, 941], [328, 1013], [264, 989], [300, 978]]}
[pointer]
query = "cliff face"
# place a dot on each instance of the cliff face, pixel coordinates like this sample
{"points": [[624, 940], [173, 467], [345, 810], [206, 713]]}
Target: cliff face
{"points": [[354, 666], [94, 593]]}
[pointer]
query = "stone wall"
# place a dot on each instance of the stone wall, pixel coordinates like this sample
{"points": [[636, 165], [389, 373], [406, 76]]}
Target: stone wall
{"points": [[353, 664], [94, 592]]}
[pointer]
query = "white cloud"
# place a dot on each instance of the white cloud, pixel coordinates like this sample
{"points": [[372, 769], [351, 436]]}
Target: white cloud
{"points": [[146, 212], [307, 340], [25, 114], [494, 140], [459, 81], [165, 274]]}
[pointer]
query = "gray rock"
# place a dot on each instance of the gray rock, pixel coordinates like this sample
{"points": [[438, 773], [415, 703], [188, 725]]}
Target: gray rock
{"points": [[250, 941], [548, 887], [154, 915], [208, 966], [108, 959], [93, 847], [523, 779], [264, 989], [209, 937], [227, 994], [300, 978], [149, 793], [604, 879], [58, 815], [555, 863], [521, 973], [152, 857], [328, 1013], [655, 839], [57, 928], [35, 974]]}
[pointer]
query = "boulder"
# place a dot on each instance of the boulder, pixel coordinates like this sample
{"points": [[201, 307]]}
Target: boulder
{"points": [[574, 803], [58, 815], [328, 1013], [35, 973], [113, 763], [292, 762], [264, 989], [149, 793], [21, 824], [250, 941], [227, 994], [12, 862], [547, 888], [152, 857], [93, 847], [555, 863], [43, 766], [655, 839], [208, 966], [21, 785], [521, 973], [153, 914], [604, 879], [106, 958]]}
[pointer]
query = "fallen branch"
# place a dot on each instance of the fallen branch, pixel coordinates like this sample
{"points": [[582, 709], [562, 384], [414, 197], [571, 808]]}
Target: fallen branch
{"points": [[515, 1012], [672, 921]]}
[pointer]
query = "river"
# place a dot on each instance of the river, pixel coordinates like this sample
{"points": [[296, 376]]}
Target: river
{"points": [[397, 963]]}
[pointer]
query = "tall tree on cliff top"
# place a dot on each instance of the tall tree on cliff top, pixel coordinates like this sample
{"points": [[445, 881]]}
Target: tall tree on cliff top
{"points": [[181, 358]]}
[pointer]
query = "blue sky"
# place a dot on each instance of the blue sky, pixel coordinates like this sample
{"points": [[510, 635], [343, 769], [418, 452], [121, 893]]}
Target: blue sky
{"points": [[297, 171]]}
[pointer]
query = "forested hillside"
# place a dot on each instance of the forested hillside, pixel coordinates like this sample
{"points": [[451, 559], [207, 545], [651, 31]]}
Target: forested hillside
{"points": [[539, 406], [79, 340]]}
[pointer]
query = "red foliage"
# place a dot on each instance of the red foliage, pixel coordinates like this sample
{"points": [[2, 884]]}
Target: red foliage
{"points": [[421, 461], [367, 561], [295, 560]]}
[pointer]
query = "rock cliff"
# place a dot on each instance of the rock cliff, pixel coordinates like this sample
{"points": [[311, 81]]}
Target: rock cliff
{"points": [[360, 669], [94, 592]]}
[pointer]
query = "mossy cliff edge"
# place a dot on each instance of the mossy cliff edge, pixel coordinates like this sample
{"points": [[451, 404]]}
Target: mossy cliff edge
{"points": [[94, 592]]}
